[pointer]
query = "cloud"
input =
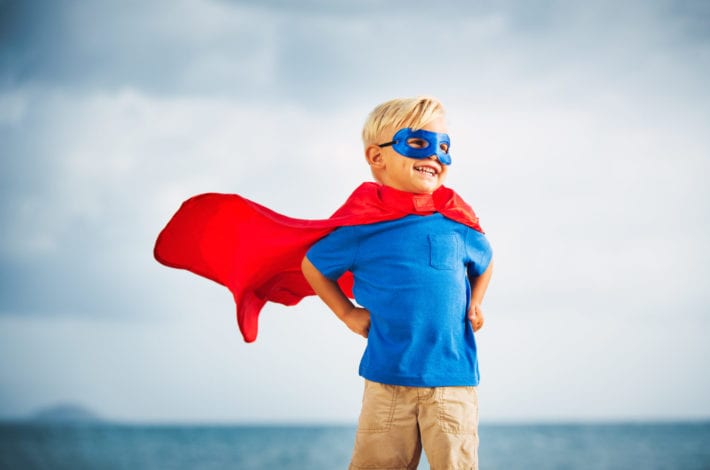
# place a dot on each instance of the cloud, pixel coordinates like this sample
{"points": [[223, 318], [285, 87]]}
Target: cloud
{"points": [[579, 135], [149, 46], [85, 201], [96, 167]]}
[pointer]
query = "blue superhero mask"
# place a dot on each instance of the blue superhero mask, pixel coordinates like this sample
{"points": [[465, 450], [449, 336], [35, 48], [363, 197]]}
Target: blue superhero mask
{"points": [[421, 144]]}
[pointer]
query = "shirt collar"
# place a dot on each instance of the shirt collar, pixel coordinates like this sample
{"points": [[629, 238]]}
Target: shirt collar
{"points": [[406, 201]]}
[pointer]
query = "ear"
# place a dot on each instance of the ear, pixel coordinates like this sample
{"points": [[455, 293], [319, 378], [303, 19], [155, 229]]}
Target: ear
{"points": [[374, 157]]}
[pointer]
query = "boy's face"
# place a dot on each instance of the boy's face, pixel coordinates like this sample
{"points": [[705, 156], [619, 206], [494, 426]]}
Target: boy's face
{"points": [[414, 175]]}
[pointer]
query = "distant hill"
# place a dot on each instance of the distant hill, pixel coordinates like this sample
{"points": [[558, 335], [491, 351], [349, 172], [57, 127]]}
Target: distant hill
{"points": [[66, 413]]}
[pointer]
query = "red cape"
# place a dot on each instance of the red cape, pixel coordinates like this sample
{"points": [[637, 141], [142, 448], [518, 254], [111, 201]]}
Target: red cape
{"points": [[256, 252]]}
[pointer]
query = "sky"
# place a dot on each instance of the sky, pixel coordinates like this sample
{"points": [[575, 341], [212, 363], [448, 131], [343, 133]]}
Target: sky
{"points": [[579, 135]]}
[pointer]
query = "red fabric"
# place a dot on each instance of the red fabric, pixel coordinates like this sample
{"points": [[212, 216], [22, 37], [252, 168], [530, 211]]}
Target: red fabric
{"points": [[256, 252]]}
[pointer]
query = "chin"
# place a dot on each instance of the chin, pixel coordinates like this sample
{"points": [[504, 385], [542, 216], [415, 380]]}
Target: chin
{"points": [[430, 188], [426, 186]]}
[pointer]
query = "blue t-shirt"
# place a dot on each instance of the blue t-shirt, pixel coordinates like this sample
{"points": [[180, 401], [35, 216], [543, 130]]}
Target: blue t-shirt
{"points": [[412, 275]]}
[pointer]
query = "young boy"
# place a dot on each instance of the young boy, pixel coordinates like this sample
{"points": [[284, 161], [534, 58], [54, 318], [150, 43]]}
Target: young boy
{"points": [[420, 280]]}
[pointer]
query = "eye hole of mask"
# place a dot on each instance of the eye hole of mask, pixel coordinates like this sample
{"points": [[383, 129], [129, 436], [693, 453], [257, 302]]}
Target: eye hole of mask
{"points": [[417, 143]]}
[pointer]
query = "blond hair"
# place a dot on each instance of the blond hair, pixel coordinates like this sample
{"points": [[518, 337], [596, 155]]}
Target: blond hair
{"points": [[399, 113]]}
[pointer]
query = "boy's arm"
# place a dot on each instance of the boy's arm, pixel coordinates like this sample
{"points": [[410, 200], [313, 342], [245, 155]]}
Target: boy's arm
{"points": [[479, 284], [356, 318]]}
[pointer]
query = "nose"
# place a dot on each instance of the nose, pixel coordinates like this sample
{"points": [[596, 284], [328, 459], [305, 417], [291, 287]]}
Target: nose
{"points": [[437, 158]]}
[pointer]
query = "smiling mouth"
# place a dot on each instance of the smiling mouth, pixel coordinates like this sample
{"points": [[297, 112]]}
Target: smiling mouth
{"points": [[425, 170]]}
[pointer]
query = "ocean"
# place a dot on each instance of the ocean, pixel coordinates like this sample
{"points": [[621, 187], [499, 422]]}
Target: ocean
{"points": [[649, 446]]}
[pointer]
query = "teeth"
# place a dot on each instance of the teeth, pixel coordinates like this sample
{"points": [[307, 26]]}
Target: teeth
{"points": [[427, 171]]}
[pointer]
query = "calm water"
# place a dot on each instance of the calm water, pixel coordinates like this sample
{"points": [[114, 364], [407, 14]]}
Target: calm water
{"points": [[105, 446]]}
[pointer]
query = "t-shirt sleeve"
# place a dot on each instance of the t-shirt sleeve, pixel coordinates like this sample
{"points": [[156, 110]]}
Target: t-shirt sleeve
{"points": [[334, 254], [478, 251]]}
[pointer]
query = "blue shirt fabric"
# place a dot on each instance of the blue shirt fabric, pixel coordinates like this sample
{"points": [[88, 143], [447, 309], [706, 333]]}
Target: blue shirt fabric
{"points": [[412, 275]]}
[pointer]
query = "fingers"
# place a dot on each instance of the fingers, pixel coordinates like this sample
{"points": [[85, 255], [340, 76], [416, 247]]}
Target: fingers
{"points": [[366, 330], [359, 321], [477, 324], [475, 315]]}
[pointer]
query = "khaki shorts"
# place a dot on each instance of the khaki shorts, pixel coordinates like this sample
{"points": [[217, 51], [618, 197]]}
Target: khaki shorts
{"points": [[396, 422]]}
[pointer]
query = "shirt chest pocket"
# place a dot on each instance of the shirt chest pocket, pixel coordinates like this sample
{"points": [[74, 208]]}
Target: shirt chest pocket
{"points": [[444, 251]]}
